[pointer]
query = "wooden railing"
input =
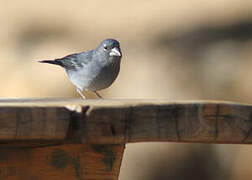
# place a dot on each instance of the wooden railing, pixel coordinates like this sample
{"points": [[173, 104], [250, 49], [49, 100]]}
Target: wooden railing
{"points": [[75, 139]]}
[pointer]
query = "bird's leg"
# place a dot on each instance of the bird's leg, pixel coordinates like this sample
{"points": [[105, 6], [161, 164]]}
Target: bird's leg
{"points": [[82, 95], [98, 95]]}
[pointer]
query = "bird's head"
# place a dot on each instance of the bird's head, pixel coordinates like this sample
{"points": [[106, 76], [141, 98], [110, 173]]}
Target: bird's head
{"points": [[110, 48]]}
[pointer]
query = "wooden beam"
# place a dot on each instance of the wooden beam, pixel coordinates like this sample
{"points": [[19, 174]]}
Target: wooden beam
{"points": [[124, 121], [75, 139], [72, 161]]}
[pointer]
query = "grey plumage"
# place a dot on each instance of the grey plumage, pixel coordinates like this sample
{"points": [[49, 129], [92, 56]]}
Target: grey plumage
{"points": [[92, 70]]}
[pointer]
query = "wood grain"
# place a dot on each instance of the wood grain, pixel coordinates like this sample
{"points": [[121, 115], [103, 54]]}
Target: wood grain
{"points": [[124, 121], [185, 122], [75, 162], [25, 123]]}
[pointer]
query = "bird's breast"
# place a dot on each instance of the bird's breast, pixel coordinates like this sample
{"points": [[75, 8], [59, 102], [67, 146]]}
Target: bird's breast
{"points": [[95, 76], [105, 77]]}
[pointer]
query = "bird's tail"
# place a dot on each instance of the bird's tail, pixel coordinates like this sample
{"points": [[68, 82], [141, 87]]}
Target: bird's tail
{"points": [[56, 62]]}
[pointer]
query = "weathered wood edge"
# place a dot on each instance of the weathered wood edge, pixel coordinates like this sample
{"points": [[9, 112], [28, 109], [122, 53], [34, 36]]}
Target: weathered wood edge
{"points": [[125, 121]]}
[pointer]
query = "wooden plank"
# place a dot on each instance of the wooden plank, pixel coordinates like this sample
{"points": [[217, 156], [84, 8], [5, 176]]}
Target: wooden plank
{"points": [[181, 122], [25, 123], [124, 121], [71, 162], [73, 139]]}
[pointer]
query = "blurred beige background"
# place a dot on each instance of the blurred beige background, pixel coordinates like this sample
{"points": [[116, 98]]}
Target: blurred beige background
{"points": [[174, 50]]}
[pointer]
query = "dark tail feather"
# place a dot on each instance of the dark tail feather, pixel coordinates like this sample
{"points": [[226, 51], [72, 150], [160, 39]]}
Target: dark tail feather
{"points": [[57, 62]]}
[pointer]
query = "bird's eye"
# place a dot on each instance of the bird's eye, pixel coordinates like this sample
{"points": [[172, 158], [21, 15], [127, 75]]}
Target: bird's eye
{"points": [[105, 47]]}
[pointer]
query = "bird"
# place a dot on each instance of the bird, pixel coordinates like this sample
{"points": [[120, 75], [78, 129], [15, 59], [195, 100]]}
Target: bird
{"points": [[92, 70]]}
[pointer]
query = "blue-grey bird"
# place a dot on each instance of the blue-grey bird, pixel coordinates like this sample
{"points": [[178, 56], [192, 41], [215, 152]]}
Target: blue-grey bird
{"points": [[92, 70]]}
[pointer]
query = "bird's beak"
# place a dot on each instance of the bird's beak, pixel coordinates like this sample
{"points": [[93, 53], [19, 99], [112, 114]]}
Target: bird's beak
{"points": [[115, 52]]}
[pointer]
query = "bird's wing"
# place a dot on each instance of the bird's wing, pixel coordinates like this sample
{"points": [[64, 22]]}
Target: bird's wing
{"points": [[75, 61]]}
